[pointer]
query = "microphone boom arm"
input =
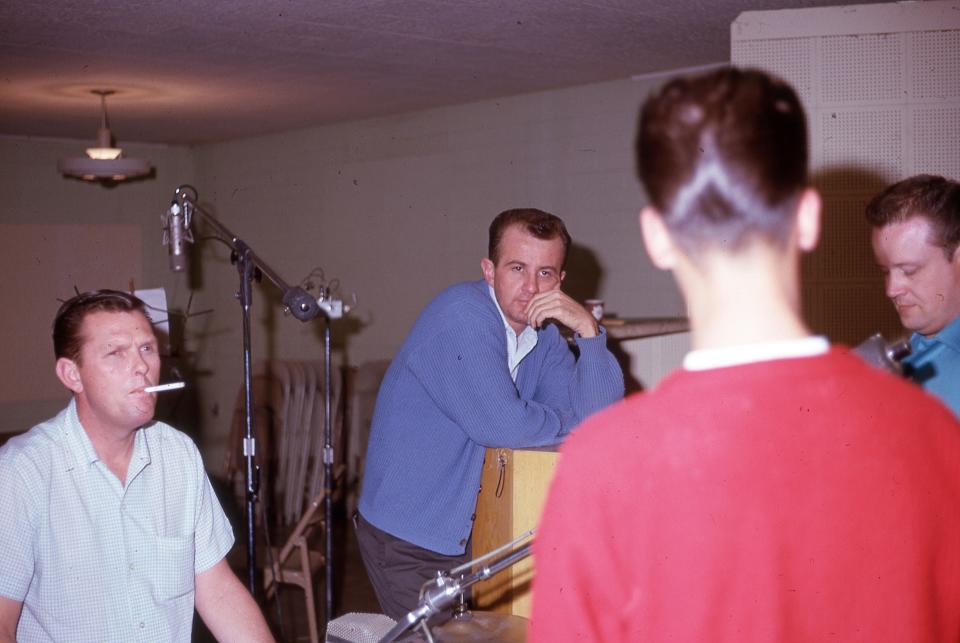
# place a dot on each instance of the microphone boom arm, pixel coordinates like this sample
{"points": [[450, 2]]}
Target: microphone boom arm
{"points": [[305, 308], [298, 301]]}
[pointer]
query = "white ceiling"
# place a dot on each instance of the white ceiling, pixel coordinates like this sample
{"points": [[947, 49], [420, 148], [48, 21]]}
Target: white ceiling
{"points": [[192, 71]]}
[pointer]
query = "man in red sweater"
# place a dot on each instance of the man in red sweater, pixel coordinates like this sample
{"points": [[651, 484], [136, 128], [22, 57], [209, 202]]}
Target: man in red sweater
{"points": [[774, 488]]}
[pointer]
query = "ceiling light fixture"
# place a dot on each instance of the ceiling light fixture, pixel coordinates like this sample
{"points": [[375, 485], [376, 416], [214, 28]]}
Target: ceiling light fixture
{"points": [[104, 162]]}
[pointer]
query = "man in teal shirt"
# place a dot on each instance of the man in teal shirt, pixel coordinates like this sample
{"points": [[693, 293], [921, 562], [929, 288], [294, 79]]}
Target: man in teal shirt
{"points": [[916, 240]]}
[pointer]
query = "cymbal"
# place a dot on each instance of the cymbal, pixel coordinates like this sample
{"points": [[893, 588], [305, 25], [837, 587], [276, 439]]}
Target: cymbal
{"points": [[482, 626]]}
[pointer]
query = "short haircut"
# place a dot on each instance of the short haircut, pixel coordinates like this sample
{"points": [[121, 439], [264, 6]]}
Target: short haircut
{"points": [[924, 195], [540, 224], [723, 157], [67, 340]]}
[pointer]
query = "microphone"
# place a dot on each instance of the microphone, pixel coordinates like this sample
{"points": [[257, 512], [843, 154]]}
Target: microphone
{"points": [[175, 233], [877, 352]]}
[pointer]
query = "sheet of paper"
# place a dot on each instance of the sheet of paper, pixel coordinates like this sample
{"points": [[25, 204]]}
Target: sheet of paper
{"points": [[156, 300]]}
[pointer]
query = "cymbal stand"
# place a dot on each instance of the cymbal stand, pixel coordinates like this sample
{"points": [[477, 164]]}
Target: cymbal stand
{"points": [[440, 593]]}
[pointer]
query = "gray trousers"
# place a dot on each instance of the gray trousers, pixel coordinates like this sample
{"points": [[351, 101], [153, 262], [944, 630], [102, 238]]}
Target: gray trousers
{"points": [[398, 569]]}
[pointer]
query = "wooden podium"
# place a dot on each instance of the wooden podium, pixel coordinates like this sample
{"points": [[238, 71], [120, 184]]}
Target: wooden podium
{"points": [[513, 490]]}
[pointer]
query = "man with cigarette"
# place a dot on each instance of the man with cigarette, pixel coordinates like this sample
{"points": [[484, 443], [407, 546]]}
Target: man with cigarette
{"points": [[109, 528]]}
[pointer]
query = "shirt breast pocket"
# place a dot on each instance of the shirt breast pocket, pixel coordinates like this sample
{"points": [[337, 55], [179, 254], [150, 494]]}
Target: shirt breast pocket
{"points": [[173, 574]]}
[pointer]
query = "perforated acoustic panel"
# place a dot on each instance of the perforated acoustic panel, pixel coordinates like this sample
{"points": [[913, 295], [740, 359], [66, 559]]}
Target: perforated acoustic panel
{"points": [[856, 145], [881, 86], [791, 57], [937, 128], [936, 58], [861, 68]]}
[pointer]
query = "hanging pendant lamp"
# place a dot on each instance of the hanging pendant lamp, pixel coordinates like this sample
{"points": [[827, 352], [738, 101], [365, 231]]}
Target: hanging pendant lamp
{"points": [[104, 162]]}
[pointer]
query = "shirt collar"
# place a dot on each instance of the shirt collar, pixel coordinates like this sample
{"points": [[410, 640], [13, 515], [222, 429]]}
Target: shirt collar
{"points": [[75, 439], [706, 358], [506, 324], [78, 443], [949, 335], [518, 346]]}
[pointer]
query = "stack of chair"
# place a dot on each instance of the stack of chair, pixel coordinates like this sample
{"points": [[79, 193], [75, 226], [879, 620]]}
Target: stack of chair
{"points": [[290, 403]]}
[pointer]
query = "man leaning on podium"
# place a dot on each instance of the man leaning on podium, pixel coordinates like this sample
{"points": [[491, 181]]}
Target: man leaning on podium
{"points": [[480, 368]]}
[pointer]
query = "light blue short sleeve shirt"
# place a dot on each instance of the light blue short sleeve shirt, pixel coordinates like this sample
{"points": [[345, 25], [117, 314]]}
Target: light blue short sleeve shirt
{"points": [[92, 559]]}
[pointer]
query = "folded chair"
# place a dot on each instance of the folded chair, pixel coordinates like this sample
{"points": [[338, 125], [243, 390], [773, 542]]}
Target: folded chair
{"points": [[300, 558]]}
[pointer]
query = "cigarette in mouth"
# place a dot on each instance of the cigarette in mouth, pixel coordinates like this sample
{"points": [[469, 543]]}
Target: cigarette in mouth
{"points": [[160, 388]]}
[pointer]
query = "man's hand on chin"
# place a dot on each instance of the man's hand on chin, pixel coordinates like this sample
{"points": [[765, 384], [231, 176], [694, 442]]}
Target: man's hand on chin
{"points": [[555, 304]]}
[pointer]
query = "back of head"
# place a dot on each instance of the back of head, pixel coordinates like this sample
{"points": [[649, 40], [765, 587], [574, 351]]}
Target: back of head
{"points": [[933, 197], [67, 341], [723, 158], [538, 223]]}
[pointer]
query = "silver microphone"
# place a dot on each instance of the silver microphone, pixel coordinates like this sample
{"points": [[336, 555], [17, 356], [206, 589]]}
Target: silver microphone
{"points": [[175, 235], [877, 352]]}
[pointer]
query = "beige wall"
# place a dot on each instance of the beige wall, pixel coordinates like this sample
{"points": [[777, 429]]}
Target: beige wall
{"points": [[397, 208], [37, 203]]}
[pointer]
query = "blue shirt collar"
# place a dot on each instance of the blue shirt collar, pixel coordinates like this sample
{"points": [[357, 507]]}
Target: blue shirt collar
{"points": [[949, 335]]}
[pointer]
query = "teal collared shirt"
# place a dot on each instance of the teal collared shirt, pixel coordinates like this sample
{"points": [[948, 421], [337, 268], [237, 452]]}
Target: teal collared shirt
{"points": [[92, 559], [934, 364]]}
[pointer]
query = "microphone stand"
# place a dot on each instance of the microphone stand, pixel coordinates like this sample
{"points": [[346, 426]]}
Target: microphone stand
{"points": [[305, 308], [440, 593]]}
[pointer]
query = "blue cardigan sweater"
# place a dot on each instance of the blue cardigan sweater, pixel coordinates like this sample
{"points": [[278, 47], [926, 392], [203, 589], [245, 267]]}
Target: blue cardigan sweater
{"points": [[448, 395]]}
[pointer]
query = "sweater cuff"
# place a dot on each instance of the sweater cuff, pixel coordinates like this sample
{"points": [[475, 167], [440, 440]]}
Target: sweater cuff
{"points": [[591, 343]]}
